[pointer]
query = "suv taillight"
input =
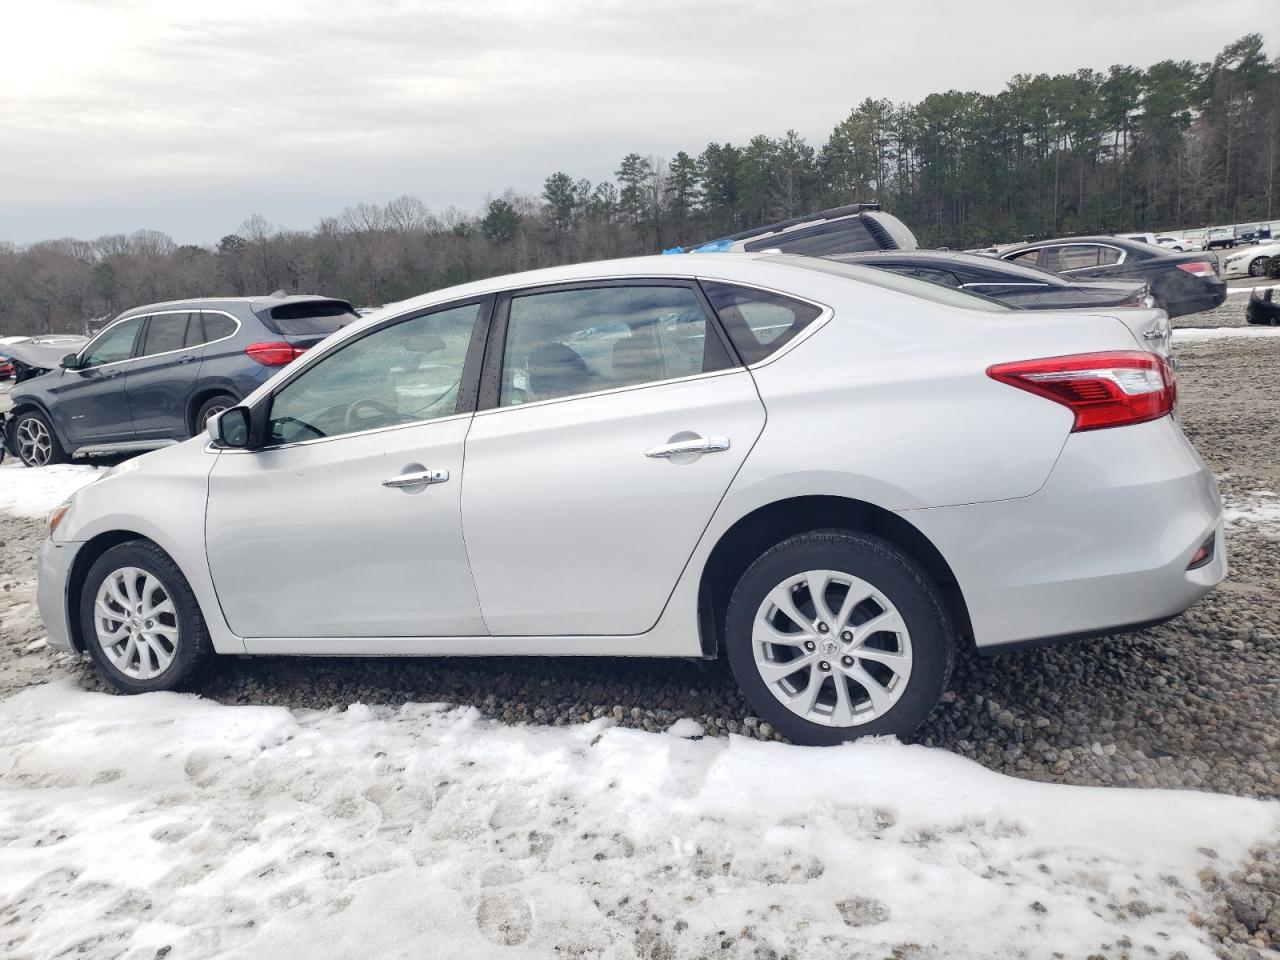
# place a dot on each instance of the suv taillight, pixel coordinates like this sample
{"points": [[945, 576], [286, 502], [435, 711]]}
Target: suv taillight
{"points": [[275, 353], [1102, 389]]}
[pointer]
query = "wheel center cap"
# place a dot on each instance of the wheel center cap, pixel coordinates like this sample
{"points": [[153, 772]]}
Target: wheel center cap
{"points": [[829, 648]]}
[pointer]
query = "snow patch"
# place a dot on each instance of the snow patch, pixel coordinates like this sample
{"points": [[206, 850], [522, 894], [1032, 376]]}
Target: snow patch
{"points": [[686, 728], [132, 824], [1219, 333], [1261, 511], [34, 491]]}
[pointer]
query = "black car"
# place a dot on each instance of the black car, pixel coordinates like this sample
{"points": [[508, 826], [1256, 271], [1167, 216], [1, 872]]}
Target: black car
{"points": [[156, 374], [848, 229], [1181, 283], [1027, 288], [1263, 307]]}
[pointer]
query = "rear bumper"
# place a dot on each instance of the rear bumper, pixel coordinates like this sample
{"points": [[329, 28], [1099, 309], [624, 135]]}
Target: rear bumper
{"points": [[1103, 546]]}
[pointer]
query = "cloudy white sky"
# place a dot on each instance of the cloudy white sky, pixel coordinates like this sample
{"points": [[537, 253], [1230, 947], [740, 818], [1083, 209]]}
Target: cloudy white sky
{"points": [[188, 116]]}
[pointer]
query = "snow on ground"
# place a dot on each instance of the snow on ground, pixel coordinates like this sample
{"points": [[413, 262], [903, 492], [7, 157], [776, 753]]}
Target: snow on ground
{"points": [[1181, 334], [33, 492], [132, 825], [1268, 286], [1261, 510]]}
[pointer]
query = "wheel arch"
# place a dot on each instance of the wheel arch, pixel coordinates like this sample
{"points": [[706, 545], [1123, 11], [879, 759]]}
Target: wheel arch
{"points": [[28, 404], [86, 556], [770, 524], [200, 397]]}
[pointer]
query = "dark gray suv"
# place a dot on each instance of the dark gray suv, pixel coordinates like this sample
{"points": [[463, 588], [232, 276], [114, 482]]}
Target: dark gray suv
{"points": [[155, 374]]}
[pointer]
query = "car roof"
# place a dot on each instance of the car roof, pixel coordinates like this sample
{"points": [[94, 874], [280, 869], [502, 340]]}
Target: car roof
{"points": [[255, 304], [1132, 246]]}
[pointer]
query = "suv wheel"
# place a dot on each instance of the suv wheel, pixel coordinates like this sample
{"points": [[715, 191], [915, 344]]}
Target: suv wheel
{"points": [[140, 620], [834, 635], [214, 405], [35, 440]]}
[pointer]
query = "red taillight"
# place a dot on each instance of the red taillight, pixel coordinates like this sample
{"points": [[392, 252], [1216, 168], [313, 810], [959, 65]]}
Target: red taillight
{"points": [[1200, 268], [274, 354], [1101, 389]]}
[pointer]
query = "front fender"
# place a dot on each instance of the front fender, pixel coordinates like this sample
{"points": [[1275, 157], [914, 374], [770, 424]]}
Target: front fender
{"points": [[160, 496]]}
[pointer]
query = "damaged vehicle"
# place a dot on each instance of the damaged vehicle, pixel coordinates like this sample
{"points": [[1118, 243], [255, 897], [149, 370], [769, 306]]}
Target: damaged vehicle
{"points": [[156, 374], [31, 356]]}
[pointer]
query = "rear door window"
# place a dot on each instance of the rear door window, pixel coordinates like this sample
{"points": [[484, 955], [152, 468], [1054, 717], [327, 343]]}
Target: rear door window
{"points": [[758, 322], [564, 343], [165, 332], [1077, 256]]}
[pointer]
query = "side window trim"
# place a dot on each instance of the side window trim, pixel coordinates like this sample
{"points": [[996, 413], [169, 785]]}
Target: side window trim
{"points": [[467, 390], [490, 387]]}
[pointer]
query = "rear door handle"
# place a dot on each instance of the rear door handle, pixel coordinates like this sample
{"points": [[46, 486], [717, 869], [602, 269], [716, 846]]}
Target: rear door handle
{"points": [[419, 479], [696, 445]]}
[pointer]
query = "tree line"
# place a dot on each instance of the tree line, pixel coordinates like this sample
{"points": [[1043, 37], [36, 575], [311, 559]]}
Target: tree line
{"points": [[1178, 144]]}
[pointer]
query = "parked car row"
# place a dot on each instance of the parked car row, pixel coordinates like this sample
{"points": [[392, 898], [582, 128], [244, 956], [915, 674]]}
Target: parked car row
{"points": [[831, 475]]}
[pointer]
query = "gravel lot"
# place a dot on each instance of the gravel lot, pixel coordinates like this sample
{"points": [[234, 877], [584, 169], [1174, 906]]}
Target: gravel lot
{"points": [[1190, 704]]}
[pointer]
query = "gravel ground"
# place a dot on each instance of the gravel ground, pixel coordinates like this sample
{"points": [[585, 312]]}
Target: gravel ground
{"points": [[1190, 704]]}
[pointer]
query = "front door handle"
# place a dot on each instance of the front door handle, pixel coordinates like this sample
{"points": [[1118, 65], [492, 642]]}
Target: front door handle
{"points": [[695, 445], [418, 479], [185, 359]]}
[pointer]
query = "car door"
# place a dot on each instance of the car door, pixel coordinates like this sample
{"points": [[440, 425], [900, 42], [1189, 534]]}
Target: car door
{"points": [[346, 523], [91, 399], [162, 377], [612, 421]]}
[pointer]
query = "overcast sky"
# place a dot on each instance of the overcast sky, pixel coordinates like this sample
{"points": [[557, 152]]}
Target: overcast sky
{"points": [[187, 117]]}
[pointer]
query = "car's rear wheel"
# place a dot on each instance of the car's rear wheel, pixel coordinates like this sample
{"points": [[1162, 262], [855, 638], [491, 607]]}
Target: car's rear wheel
{"points": [[834, 635], [140, 620], [37, 444], [1258, 266], [212, 407]]}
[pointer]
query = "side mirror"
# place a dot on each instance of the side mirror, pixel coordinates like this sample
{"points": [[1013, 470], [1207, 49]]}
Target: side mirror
{"points": [[230, 428], [70, 362]]}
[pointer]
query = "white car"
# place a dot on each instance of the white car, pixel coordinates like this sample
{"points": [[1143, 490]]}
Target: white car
{"points": [[832, 475], [1248, 261], [1164, 240]]}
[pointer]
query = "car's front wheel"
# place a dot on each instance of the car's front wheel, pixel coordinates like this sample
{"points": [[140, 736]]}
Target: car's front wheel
{"points": [[835, 634], [35, 440], [140, 620], [1258, 266]]}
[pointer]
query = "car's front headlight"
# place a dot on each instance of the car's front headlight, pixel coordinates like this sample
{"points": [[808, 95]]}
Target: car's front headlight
{"points": [[55, 518]]}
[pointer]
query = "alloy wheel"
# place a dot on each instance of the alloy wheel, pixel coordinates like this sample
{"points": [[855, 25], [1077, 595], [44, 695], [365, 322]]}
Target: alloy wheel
{"points": [[832, 648], [35, 446], [1258, 267], [136, 623]]}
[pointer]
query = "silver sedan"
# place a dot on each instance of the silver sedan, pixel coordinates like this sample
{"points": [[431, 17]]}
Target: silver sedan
{"points": [[831, 475]]}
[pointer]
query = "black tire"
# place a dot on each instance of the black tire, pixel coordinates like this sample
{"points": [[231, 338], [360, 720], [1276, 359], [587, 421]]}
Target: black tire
{"points": [[215, 404], [193, 650], [898, 577], [27, 423], [1258, 266]]}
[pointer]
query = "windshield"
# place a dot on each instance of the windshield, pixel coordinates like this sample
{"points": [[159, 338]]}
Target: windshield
{"points": [[896, 282]]}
